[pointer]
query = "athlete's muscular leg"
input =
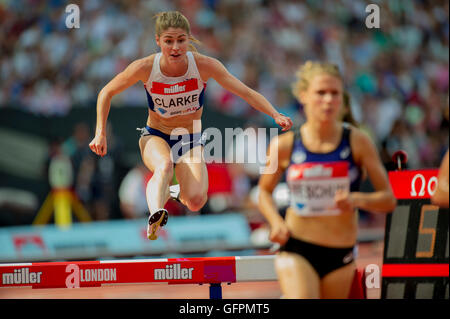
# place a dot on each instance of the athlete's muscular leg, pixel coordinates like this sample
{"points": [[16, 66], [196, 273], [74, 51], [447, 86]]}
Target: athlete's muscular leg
{"points": [[337, 284], [297, 278], [156, 156], [192, 176]]}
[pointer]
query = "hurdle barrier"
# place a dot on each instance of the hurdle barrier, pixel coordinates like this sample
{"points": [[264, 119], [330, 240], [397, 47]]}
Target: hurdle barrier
{"points": [[214, 271], [209, 270]]}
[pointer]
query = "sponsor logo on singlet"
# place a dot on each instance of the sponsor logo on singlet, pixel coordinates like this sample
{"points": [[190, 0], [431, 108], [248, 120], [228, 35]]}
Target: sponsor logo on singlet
{"points": [[345, 153], [181, 87], [175, 89], [313, 186]]}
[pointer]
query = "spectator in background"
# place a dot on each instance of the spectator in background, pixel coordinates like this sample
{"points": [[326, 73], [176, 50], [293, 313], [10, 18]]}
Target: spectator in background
{"points": [[94, 178], [247, 152], [76, 146], [77, 149]]}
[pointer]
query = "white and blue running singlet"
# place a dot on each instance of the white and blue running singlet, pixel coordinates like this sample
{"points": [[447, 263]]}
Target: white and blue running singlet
{"points": [[173, 96], [313, 178]]}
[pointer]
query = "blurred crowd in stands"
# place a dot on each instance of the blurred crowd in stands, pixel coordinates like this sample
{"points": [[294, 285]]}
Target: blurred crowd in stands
{"points": [[396, 75]]}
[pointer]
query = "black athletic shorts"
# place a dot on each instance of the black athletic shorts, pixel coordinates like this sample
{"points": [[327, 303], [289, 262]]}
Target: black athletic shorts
{"points": [[323, 259]]}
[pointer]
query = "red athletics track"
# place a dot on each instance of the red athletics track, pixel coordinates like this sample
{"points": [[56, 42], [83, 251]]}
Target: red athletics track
{"points": [[369, 253]]}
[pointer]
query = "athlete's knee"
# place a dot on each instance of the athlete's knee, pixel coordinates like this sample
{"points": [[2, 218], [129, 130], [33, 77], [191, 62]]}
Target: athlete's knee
{"points": [[195, 202], [164, 168]]}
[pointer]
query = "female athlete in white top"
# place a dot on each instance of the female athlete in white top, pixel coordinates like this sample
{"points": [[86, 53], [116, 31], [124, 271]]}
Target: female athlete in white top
{"points": [[174, 80]]}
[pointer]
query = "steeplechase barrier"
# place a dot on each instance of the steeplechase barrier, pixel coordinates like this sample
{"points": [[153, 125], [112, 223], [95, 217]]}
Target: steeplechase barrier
{"points": [[214, 271], [75, 274]]}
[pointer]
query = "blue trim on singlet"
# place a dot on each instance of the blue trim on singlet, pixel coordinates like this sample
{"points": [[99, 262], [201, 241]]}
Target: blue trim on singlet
{"points": [[151, 105], [341, 153], [201, 97]]}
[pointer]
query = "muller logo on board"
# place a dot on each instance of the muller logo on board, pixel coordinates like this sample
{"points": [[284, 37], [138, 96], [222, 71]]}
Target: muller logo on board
{"points": [[174, 271], [21, 276]]}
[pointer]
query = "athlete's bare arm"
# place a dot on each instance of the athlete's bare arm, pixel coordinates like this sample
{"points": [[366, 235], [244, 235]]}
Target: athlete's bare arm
{"points": [[278, 159], [138, 70], [440, 197], [382, 200], [213, 68]]}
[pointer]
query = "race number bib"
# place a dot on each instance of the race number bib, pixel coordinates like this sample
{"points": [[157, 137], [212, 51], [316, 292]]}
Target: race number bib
{"points": [[176, 99], [313, 186]]}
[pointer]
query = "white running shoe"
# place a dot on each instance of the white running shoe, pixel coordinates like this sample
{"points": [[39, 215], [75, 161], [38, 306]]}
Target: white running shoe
{"points": [[158, 219], [174, 191]]}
